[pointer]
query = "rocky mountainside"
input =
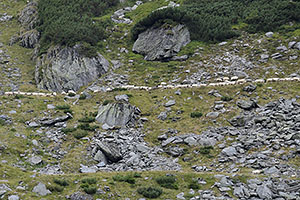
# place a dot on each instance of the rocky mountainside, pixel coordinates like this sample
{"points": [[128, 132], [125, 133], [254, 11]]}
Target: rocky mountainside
{"points": [[161, 116]]}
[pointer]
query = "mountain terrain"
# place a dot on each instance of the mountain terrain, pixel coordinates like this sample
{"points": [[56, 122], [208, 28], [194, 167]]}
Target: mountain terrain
{"points": [[152, 99]]}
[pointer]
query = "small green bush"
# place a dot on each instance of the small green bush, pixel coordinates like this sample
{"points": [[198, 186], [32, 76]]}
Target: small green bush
{"points": [[80, 134], [63, 107], [194, 185], [87, 127], [68, 130], [55, 188], [19, 96], [128, 178], [150, 192], [196, 114], [167, 182], [89, 180], [119, 89], [87, 119], [205, 150], [61, 182], [226, 98], [105, 102], [82, 97], [90, 190], [2, 122]]}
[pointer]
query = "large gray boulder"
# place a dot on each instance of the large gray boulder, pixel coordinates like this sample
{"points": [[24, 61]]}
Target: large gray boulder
{"points": [[118, 114], [162, 43], [63, 69], [41, 189], [111, 151]]}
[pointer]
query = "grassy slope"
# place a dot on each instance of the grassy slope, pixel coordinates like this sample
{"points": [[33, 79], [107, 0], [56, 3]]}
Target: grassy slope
{"points": [[151, 104]]}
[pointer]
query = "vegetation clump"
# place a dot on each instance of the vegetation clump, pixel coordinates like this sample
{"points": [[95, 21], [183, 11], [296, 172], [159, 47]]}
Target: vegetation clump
{"points": [[88, 185], [70, 22], [128, 178], [150, 192], [212, 20], [196, 114], [167, 182]]}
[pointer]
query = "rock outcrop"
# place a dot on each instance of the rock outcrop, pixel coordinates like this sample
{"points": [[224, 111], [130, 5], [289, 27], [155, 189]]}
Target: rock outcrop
{"points": [[63, 69], [118, 114], [162, 43], [29, 39], [29, 16]]}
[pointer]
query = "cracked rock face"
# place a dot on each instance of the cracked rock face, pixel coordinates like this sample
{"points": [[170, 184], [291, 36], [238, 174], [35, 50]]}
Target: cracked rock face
{"points": [[118, 114], [29, 16], [162, 43], [64, 69]]}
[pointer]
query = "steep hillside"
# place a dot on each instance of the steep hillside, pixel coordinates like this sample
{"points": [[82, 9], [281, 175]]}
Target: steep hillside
{"points": [[131, 100]]}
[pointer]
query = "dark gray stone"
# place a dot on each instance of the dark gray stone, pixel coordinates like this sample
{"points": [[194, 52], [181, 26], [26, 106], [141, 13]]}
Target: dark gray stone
{"points": [[111, 151]]}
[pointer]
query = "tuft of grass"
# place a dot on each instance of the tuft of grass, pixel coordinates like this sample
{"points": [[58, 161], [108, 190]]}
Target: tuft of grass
{"points": [[150, 192]]}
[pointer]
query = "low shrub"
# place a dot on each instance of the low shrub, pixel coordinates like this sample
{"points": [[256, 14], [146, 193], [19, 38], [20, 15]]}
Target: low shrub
{"points": [[87, 119], [196, 114], [63, 107], [55, 188], [80, 134], [68, 130], [82, 97], [105, 102], [2, 122], [119, 89], [61, 182], [150, 192], [194, 185], [87, 127], [205, 150], [167, 182], [128, 178], [89, 180], [90, 190], [226, 98]]}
